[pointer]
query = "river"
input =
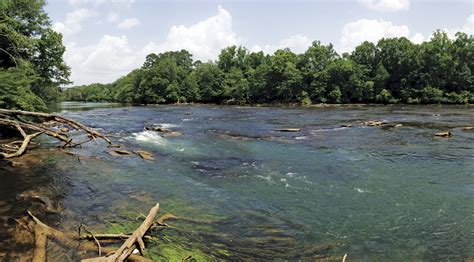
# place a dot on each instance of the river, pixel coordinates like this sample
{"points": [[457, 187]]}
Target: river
{"points": [[247, 191]]}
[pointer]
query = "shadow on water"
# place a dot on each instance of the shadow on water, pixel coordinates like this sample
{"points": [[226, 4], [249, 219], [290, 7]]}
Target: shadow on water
{"points": [[35, 183]]}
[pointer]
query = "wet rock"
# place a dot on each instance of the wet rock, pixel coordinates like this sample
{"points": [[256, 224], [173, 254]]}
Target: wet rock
{"points": [[443, 134], [157, 129], [467, 128], [287, 129], [64, 129], [346, 125], [374, 123], [118, 152], [144, 154], [398, 125]]}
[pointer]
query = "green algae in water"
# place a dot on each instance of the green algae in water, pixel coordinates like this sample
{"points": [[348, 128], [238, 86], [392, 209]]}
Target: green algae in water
{"points": [[173, 252]]}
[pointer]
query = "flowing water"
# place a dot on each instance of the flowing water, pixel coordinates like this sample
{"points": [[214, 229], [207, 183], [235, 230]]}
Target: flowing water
{"points": [[244, 190]]}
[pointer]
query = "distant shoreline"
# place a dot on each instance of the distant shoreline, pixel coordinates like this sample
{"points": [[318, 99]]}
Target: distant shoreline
{"points": [[319, 105]]}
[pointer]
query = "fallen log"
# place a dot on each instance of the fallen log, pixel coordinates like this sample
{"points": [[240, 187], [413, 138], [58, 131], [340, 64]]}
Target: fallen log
{"points": [[42, 232], [135, 240], [41, 123], [53, 117]]}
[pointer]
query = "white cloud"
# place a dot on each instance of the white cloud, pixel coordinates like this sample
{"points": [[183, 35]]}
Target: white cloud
{"points": [[204, 39], [109, 59], [72, 24], [129, 23], [417, 38], [467, 28], [112, 57], [296, 43], [362, 30], [386, 5]]}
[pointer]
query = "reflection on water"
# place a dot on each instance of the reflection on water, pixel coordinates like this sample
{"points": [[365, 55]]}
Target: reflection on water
{"points": [[80, 106], [244, 190]]}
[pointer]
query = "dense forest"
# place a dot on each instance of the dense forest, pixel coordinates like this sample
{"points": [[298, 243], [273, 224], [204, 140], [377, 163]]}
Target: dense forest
{"points": [[31, 56], [394, 70]]}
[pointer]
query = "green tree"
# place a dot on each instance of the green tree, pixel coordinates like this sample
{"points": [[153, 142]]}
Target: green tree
{"points": [[26, 37], [211, 82]]}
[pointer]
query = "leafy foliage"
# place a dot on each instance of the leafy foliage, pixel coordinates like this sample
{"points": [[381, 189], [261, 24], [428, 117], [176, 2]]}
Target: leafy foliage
{"points": [[392, 71], [31, 56]]}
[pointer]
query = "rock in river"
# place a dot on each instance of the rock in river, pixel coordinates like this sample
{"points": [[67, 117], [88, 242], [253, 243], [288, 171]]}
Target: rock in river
{"points": [[374, 123], [144, 154], [443, 134], [287, 129], [158, 129]]}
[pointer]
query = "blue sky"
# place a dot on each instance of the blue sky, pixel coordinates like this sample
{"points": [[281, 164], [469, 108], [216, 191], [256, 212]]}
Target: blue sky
{"points": [[106, 39]]}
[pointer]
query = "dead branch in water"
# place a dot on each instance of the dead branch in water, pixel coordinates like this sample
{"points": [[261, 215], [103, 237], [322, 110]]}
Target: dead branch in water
{"points": [[33, 124], [133, 241]]}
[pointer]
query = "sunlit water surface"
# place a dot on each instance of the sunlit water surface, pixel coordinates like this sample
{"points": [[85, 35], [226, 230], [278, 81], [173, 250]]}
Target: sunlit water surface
{"points": [[245, 190]]}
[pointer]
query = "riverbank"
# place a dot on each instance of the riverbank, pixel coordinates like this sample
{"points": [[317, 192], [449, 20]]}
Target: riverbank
{"points": [[106, 104]]}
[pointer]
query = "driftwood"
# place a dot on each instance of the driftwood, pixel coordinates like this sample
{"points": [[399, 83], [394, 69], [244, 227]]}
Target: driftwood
{"points": [[43, 232], [135, 240], [32, 124]]}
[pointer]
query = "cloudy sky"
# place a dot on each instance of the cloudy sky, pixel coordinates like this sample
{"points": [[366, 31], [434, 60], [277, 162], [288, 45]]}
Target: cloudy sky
{"points": [[106, 39]]}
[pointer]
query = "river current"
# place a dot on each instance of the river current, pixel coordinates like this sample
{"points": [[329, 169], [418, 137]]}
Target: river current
{"points": [[247, 191]]}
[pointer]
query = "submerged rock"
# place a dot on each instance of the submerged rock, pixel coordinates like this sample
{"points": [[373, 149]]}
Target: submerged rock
{"points": [[118, 152], [48, 205], [398, 125], [443, 134], [467, 128], [172, 133], [244, 137]]}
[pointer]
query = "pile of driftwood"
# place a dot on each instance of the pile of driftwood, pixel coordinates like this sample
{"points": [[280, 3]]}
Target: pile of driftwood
{"points": [[133, 241], [30, 125]]}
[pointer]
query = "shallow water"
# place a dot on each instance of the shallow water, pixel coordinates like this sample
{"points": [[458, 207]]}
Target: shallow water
{"points": [[247, 191]]}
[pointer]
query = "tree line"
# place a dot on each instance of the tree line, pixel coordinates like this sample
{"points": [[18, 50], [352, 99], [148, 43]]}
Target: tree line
{"points": [[394, 70]]}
